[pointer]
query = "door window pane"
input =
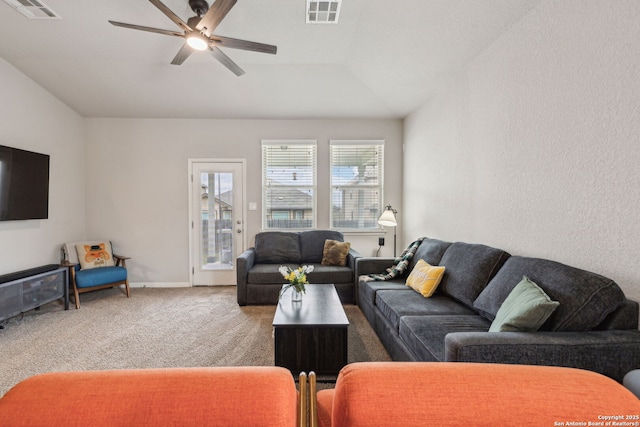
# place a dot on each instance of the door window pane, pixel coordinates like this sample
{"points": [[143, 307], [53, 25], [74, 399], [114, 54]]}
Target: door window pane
{"points": [[217, 225]]}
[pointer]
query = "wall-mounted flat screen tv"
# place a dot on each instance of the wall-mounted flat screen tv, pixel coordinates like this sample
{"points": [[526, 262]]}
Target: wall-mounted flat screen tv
{"points": [[24, 184]]}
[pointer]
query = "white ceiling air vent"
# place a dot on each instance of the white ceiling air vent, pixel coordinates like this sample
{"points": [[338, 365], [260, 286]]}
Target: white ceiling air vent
{"points": [[323, 11], [33, 9]]}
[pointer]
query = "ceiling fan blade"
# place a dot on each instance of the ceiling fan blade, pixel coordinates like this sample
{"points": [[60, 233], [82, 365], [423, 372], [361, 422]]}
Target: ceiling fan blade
{"points": [[149, 29], [182, 55], [214, 15], [175, 18], [244, 44], [226, 61]]}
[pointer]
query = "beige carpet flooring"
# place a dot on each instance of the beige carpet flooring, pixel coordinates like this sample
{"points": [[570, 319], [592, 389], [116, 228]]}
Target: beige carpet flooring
{"points": [[155, 328]]}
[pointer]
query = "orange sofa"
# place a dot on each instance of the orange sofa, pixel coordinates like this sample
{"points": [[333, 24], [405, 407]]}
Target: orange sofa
{"points": [[224, 396], [440, 394]]}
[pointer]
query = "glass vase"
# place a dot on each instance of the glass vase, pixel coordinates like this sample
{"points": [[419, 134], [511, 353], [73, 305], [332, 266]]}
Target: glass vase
{"points": [[296, 295]]}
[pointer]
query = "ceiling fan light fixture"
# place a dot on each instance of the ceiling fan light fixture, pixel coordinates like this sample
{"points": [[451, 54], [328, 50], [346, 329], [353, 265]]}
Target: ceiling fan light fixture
{"points": [[197, 32], [197, 42]]}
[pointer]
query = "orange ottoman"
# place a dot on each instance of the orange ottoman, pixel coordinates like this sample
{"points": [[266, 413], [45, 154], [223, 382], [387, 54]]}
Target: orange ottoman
{"points": [[225, 396], [422, 394]]}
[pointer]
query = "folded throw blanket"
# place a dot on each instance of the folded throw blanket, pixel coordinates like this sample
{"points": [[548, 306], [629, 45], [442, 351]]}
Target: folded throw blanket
{"points": [[400, 264]]}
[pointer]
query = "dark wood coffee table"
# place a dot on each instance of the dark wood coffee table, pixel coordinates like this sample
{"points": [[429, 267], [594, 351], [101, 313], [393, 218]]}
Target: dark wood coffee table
{"points": [[311, 335]]}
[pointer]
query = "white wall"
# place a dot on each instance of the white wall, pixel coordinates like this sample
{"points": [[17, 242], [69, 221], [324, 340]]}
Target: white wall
{"points": [[137, 189], [535, 147], [32, 119]]}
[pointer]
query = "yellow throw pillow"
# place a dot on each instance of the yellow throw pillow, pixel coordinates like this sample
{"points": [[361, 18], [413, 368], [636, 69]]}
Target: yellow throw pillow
{"points": [[335, 253], [425, 278], [93, 255]]}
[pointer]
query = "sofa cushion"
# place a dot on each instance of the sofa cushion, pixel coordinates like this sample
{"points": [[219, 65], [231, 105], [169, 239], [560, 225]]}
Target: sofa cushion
{"points": [[525, 309], [312, 244], [424, 335], [470, 267], [395, 304], [153, 397], [585, 298], [410, 394], [267, 273], [431, 251], [274, 247], [330, 274], [425, 278], [335, 253], [100, 276], [368, 289]]}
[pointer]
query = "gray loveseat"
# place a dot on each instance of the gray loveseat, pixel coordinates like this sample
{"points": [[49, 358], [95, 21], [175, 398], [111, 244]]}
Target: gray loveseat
{"points": [[595, 327], [258, 278]]}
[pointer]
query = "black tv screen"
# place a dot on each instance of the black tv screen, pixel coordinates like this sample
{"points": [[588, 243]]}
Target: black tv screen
{"points": [[24, 184]]}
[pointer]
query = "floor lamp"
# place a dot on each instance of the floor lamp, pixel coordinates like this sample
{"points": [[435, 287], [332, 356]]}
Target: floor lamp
{"points": [[388, 219]]}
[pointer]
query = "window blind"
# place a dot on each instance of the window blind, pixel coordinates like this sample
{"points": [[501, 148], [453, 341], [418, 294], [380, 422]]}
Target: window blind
{"points": [[289, 184], [356, 184]]}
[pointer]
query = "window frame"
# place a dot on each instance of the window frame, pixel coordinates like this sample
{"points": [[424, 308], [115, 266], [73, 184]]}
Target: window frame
{"points": [[313, 144], [333, 186]]}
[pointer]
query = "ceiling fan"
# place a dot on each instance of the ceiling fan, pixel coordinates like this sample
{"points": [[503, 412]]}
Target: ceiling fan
{"points": [[198, 32]]}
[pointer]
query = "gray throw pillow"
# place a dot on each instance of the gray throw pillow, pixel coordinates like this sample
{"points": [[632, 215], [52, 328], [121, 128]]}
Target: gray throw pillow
{"points": [[525, 309]]}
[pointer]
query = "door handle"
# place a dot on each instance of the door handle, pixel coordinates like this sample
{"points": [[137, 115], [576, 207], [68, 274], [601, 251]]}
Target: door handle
{"points": [[239, 231]]}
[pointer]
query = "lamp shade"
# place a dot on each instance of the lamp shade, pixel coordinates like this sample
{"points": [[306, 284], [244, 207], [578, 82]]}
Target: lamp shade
{"points": [[388, 218]]}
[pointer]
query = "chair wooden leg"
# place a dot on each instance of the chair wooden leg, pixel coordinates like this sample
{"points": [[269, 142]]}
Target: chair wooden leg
{"points": [[313, 403], [126, 285], [75, 287], [302, 400], [76, 296]]}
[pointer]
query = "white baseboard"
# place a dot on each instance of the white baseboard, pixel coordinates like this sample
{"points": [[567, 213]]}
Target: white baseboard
{"points": [[160, 284]]}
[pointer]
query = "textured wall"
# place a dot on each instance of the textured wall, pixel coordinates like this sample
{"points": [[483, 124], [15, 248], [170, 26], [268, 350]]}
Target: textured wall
{"points": [[32, 119], [534, 147]]}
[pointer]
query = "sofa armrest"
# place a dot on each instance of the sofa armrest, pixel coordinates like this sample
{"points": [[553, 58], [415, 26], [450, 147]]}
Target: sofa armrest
{"points": [[632, 382], [244, 263], [352, 256], [612, 353], [372, 265]]}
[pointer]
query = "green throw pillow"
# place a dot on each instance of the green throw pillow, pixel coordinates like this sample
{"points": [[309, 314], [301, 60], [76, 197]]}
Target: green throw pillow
{"points": [[526, 308]]}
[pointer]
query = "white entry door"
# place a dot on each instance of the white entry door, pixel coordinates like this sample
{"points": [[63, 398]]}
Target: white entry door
{"points": [[217, 221]]}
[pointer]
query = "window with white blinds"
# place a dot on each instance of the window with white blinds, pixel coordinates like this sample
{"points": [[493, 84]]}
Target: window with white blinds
{"points": [[356, 184], [289, 184]]}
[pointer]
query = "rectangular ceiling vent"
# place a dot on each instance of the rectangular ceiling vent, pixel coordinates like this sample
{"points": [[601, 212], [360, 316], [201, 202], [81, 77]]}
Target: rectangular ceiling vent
{"points": [[33, 9], [323, 11]]}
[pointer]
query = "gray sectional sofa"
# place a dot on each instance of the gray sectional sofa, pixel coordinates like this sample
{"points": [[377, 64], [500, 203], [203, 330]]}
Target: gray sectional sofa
{"points": [[258, 278], [595, 327]]}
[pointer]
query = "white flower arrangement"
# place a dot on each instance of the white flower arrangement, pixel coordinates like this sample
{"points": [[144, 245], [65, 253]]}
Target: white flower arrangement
{"points": [[297, 278]]}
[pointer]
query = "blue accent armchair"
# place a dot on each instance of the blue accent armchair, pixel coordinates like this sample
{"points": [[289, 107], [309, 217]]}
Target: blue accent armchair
{"points": [[101, 275]]}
